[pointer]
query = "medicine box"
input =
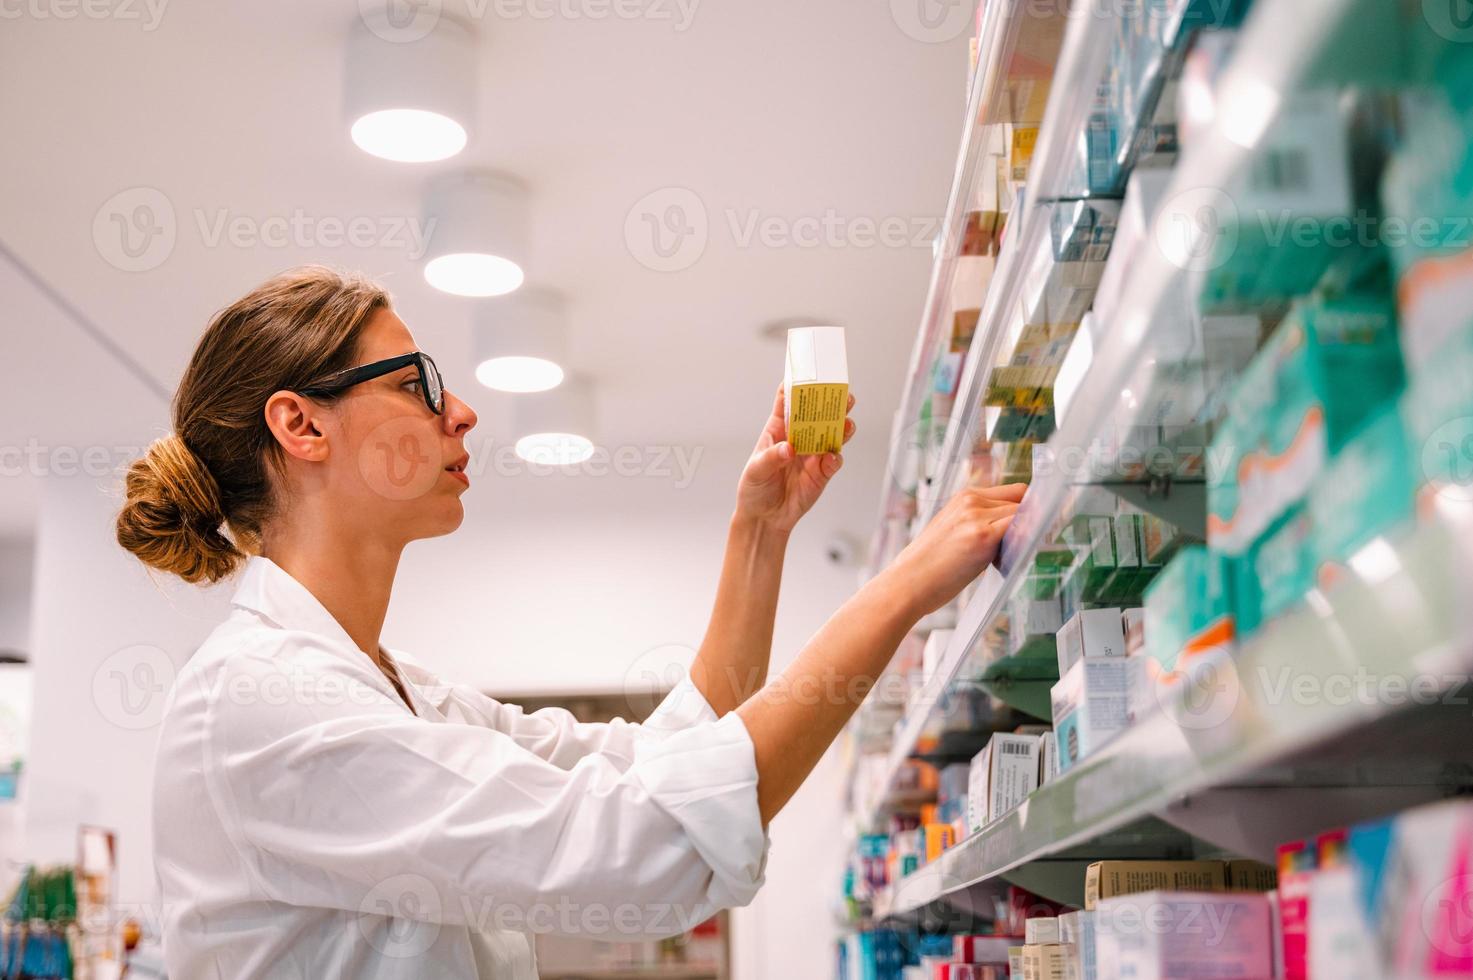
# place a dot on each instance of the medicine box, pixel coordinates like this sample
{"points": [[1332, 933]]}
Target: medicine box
{"points": [[1109, 879], [1041, 929], [1328, 367], [1002, 776], [1048, 762], [1163, 935], [1283, 572], [1134, 623], [1091, 633], [816, 389], [1032, 626], [1090, 705], [1299, 177], [1368, 490], [1189, 607], [1251, 876], [1043, 962], [1077, 932]]}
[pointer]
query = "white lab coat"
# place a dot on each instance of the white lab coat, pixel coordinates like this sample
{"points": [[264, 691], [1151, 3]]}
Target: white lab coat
{"points": [[307, 825]]}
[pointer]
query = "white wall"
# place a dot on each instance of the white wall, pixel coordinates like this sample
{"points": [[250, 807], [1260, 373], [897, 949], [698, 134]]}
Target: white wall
{"points": [[107, 639], [16, 559]]}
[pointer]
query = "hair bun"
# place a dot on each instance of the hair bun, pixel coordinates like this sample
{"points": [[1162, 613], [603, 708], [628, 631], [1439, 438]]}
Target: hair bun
{"points": [[172, 518]]}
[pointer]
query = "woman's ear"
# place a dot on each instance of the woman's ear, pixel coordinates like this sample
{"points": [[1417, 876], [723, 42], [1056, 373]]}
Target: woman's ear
{"points": [[295, 421]]}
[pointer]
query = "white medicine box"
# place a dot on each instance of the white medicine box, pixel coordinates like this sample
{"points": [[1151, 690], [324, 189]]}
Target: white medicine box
{"points": [[816, 389], [1092, 634], [1002, 776]]}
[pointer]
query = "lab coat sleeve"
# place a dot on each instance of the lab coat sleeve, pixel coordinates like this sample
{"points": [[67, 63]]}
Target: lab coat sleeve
{"points": [[337, 797], [555, 735]]}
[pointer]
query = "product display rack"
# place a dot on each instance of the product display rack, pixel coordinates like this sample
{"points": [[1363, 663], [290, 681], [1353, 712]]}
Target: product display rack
{"points": [[1234, 763], [1251, 765]]}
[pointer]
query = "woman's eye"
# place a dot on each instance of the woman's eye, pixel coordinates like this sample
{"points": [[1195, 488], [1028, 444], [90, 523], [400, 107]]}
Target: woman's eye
{"points": [[412, 384]]}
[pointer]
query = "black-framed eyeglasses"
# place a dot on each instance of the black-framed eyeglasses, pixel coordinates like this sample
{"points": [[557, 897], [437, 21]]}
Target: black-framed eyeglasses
{"points": [[430, 383]]}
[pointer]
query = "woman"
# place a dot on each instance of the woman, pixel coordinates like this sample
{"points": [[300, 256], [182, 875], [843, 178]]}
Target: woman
{"points": [[324, 807]]}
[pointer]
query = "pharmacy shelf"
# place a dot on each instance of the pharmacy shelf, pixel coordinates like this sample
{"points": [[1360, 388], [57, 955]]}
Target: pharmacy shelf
{"points": [[1279, 41], [1018, 44], [1349, 707]]}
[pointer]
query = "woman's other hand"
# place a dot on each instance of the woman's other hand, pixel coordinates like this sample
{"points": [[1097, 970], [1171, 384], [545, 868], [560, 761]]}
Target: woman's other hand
{"points": [[957, 546]]}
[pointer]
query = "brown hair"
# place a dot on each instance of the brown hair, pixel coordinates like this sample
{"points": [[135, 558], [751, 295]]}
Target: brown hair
{"points": [[211, 473]]}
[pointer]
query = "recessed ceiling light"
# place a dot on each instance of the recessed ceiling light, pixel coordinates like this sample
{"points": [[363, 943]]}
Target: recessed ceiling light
{"points": [[411, 98], [555, 427], [520, 341], [409, 135], [476, 223]]}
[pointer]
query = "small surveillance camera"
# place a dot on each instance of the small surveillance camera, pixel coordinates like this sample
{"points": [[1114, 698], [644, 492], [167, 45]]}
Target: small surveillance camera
{"points": [[841, 549]]}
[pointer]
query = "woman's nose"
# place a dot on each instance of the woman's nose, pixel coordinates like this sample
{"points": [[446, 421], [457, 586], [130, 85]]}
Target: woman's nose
{"points": [[459, 417]]}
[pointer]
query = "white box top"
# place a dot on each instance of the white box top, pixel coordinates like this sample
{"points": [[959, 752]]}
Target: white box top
{"points": [[816, 355]]}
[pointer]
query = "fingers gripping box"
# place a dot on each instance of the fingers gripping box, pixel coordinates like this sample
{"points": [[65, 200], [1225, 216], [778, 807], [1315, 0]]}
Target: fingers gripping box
{"points": [[816, 389]]}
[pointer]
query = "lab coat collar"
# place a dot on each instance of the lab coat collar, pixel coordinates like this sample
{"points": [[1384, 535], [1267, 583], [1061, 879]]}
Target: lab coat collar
{"points": [[271, 592]]}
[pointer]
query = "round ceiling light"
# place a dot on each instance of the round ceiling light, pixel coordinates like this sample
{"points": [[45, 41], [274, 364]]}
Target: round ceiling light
{"points": [[410, 97], [521, 341], [556, 426], [476, 223]]}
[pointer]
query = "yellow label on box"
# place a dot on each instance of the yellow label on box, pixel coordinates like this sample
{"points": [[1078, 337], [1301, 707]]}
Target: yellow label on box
{"points": [[816, 418]]}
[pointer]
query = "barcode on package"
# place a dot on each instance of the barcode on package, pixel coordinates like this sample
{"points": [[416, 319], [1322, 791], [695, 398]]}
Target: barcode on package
{"points": [[1014, 748]]}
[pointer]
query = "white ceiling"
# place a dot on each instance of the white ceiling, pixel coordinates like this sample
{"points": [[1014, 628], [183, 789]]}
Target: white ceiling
{"points": [[764, 109]]}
